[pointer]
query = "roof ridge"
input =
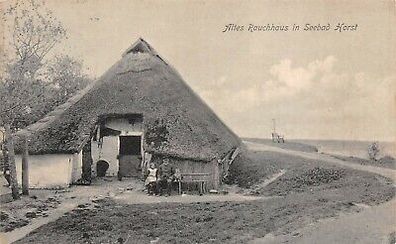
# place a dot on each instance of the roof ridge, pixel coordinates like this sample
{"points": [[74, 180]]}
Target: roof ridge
{"points": [[140, 46]]}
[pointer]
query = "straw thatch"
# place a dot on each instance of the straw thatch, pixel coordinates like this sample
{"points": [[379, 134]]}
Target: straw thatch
{"points": [[140, 83]]}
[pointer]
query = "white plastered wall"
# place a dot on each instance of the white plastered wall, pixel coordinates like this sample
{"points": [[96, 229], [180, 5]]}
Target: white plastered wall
{"points": [[108, 152], [109, 149], [51, 170]]}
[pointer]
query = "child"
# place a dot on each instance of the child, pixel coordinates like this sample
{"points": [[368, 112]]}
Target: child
{"points": [[151, 179]]}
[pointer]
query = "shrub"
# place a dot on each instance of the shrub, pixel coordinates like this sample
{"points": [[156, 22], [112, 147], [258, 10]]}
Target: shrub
{"points": [[373, 151]]}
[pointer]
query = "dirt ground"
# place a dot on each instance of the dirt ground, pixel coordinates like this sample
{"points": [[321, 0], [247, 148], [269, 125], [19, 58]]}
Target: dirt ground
{"points": [[202, 222], [305, 191]]}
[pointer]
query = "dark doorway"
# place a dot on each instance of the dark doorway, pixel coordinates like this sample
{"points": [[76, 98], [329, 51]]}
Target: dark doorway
{"points": [[130, 156], [101, 168]]}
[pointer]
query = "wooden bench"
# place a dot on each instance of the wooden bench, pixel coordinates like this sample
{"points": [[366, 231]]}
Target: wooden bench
{"points": [[200, 178]]}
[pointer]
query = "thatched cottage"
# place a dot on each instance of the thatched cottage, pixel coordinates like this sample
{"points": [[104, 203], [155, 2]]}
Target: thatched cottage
{"points": [[140, 107]]}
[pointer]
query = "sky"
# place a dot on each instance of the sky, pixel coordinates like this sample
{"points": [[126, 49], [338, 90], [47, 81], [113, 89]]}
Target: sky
{"points": [[315, 84]]}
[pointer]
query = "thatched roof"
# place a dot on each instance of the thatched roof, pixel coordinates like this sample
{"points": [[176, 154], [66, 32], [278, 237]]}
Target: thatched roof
{"points": [[140, 83]]}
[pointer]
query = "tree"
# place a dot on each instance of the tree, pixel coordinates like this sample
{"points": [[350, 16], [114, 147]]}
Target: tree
{"points": [[33, 84], [59, 80], [29, 87], [66, 77], [33, 32]]}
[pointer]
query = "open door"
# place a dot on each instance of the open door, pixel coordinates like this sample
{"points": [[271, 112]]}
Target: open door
{"points": [[130, 156]]}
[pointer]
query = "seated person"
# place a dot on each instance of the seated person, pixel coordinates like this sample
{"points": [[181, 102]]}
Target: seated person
{"points": [[165, 173], [151, 179]]}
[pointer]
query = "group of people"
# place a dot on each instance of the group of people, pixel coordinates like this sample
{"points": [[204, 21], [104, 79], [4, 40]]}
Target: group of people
{"points": [[159, 180]]}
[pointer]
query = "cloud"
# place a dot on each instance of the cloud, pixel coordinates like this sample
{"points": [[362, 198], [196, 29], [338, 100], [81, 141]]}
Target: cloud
{"points": [[317, 100], [288, 80], [284, 81]]}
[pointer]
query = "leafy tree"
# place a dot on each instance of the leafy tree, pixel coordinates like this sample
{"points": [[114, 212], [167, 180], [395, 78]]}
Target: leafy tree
{"points": [[33, 32], [66, 77], [33, 99], [31, 84]]}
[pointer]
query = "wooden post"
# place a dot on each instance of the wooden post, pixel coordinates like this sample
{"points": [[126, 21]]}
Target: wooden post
{"points": [[216, 176], [87, 162], [25, 167], [11, 163]]}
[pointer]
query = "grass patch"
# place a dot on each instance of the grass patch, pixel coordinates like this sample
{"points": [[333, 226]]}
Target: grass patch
{"points": [[249, 168], [307, 175]]}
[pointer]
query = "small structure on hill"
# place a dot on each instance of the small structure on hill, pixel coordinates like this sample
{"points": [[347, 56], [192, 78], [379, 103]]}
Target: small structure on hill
{"points": [[139, 110], [276, 138]]}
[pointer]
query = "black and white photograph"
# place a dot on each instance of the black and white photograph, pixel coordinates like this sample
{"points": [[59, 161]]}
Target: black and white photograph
{"points": [[203, 121]]}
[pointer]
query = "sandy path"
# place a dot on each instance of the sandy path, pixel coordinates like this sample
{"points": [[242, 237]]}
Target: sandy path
{"points": [[19, 233], [139, 198], [371, 225]]}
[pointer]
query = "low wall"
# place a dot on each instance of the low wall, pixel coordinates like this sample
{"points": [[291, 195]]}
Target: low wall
{"points": [[51, 170]]}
